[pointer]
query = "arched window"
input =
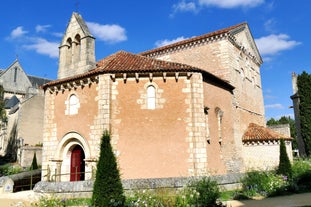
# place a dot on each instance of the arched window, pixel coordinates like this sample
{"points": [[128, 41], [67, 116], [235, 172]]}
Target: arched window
{"points": [[69, 52], [219, 115], [73, 105], [77, 48], [151, 97]]}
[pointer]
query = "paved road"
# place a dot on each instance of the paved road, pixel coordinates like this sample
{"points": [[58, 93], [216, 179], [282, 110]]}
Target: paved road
{"points": [[23, 199], [303, 199]]}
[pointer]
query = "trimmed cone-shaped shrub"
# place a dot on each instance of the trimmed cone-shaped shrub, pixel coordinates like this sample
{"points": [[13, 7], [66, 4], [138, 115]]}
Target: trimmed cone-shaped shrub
{"points": [[285, 167], [34, 164], [107, 190]]}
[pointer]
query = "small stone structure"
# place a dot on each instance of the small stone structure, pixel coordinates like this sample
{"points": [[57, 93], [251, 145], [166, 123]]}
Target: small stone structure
{"points": [[6, 184]]}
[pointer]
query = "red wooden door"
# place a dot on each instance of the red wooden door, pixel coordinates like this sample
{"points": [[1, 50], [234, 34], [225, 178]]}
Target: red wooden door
{"points": [[77, 164]]}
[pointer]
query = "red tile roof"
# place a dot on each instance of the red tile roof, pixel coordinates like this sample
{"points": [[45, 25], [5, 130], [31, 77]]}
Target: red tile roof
{"points": [[128, 62], [194, 39], [125, 62], [255, 132]]}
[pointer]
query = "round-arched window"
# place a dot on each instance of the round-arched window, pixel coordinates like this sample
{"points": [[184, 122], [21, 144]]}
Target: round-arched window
{"points": [[151, 97]]}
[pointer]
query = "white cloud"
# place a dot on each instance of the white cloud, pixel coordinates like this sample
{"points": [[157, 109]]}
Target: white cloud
{"points": [[184, 6], [44, 47], [108, 33], [42, 28], [273, 44], [270, 25], [274, 106], [227, 4], [18, 32], [161, 43]]}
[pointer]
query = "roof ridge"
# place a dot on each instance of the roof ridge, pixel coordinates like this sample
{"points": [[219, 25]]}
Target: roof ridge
{"points": [[193, 39], [127, 62]]}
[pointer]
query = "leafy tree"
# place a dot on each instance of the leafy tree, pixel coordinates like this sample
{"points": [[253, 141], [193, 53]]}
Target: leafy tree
{"points": [[285, 120], [272, 122], [285, 167], [304, 93], [107, 190], [2, 110]]}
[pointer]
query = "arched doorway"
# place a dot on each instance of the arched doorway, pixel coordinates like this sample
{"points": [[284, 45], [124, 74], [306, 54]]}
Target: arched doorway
{"points": [[77, 164]]}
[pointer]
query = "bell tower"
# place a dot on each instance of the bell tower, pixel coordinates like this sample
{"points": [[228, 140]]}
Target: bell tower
{"points": [[77, 49]]}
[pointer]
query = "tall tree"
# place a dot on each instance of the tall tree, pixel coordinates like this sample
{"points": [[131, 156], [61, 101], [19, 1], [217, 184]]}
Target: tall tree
{"points": [[285, 167], [34, 164], [107, 190], [304, 93]]}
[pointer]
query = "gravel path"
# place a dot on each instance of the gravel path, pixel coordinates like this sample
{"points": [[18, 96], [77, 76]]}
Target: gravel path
{"points": [[19, 199]]}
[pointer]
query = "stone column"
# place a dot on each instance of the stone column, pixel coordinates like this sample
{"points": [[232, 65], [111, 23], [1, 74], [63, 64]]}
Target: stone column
{"points": [[58, 170]]}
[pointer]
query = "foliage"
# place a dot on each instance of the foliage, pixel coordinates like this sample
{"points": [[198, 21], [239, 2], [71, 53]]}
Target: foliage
{"points": [[285, 120], [144, 198], [265, 183], [285, 167], [304, 92], [34, 164], [107, 190], [301, 176], [203, 192], [49, 202], [9, 169], [52, 201], [3, 116], [198, 193]]}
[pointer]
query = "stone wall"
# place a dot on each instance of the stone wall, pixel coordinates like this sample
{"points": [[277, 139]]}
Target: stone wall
{"points": [[264, 155], [281, 128], [30, 122], [85, 188]]}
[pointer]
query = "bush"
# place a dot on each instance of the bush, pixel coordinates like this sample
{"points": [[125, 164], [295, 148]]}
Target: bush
{"points": [[107, 190], [144, 198], [9, 169], [301, 176], [49, 202], [204, 192], [264, 184]]}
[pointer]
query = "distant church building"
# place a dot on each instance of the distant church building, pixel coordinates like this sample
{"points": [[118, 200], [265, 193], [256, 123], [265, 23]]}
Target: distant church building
{"points": [[191, 108], [22, 124]]}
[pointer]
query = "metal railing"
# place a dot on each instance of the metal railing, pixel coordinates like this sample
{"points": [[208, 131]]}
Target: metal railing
{"points": [[25, 180], [57, 177]]}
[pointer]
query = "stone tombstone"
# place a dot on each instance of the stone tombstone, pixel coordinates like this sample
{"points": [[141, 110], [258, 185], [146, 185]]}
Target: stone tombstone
{"points": [[6, 185]]}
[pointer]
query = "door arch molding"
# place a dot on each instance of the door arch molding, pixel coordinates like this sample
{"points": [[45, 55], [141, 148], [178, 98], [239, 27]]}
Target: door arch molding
{"points": [[69, 141]]}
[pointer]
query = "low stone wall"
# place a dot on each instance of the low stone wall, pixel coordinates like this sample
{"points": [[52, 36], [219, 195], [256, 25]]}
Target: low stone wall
{"points": [[20, 181], [85, 188]]}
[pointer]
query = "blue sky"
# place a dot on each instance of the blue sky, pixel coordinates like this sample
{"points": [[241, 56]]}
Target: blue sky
{"points": [[32, 30]]}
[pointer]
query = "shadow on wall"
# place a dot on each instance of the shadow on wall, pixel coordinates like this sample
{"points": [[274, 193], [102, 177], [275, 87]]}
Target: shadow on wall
{"points": [[11, 149]]}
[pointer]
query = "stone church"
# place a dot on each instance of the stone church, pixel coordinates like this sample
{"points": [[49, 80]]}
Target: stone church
{"points": [[21, 126], [191, 108]]}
